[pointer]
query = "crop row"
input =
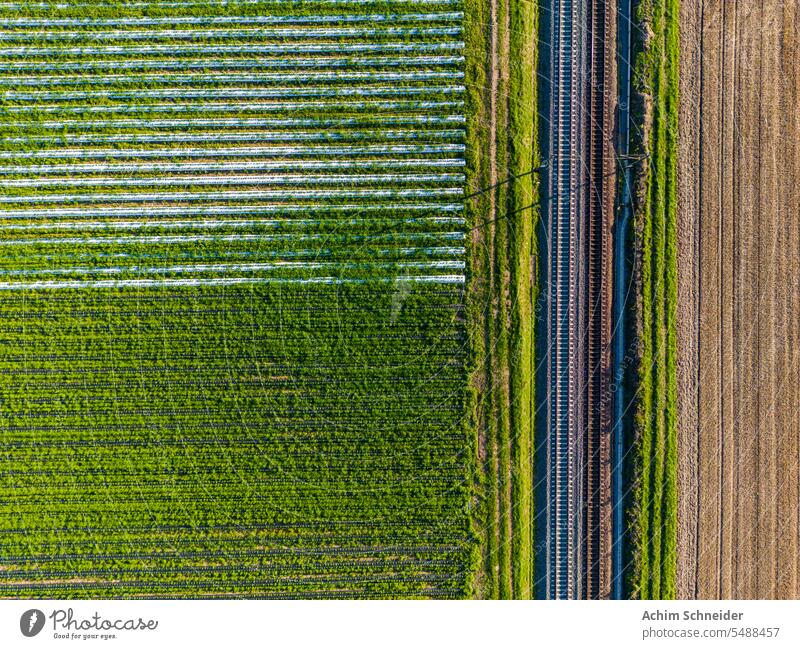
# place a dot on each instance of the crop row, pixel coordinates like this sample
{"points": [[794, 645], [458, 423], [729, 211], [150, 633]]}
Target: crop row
{"points": [[246, 179], [235, 166], [280, 49], [382, 150], [222, 123], [309, 107], [21, 23], [215, 138], [84, 65]]}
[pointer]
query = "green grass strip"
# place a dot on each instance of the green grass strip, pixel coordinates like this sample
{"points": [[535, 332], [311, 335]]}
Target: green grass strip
{"points": [[654, 506], [502, 285], [523, 156]]}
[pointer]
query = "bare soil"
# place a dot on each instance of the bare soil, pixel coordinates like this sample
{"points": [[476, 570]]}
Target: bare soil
{"points": [[739, 300]]}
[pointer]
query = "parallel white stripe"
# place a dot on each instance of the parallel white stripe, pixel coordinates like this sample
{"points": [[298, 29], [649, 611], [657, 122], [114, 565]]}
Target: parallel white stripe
{"points": [[211, 268], [238, 152], [153, 283], [446, 236], [233, 93], [229, 77], [212, 224], [219, 64], [217, 210], [259, 33], [282, 49], [202, 268], [251, 179], [441, 250], [240, 107], [316, 253], [225, 20], [272, 122], [234, 195], [265, 165], [246, 136]]}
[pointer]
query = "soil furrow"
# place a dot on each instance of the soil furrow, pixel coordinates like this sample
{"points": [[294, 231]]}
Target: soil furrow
{"points": [[739, 173], [690, 157]]}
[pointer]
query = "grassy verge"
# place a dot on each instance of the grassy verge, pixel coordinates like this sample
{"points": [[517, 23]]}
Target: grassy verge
{"points": [[653, 506], [523, 156], [502, 136]]}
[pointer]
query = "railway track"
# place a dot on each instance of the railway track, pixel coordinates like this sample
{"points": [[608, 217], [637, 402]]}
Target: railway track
{"points": [[561, 210], [578, 214], [600, 209]]}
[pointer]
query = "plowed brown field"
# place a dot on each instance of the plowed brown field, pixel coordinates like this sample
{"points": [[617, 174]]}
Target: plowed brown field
{"points": [[739, 299]]}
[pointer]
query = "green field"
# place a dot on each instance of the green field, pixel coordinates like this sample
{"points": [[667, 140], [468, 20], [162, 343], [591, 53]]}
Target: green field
{"points": [[232, 323], [653, 506]]}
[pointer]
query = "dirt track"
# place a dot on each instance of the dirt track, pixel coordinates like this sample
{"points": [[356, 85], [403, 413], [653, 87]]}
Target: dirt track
{"points": [[739, 300]]}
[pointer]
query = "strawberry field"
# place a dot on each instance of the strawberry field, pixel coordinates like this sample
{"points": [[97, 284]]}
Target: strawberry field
{"points": [[232, 345]]}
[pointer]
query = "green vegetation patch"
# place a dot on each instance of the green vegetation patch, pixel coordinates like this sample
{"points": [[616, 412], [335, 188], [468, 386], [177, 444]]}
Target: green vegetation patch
{"points": [[653, 504], [232, 310]]}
